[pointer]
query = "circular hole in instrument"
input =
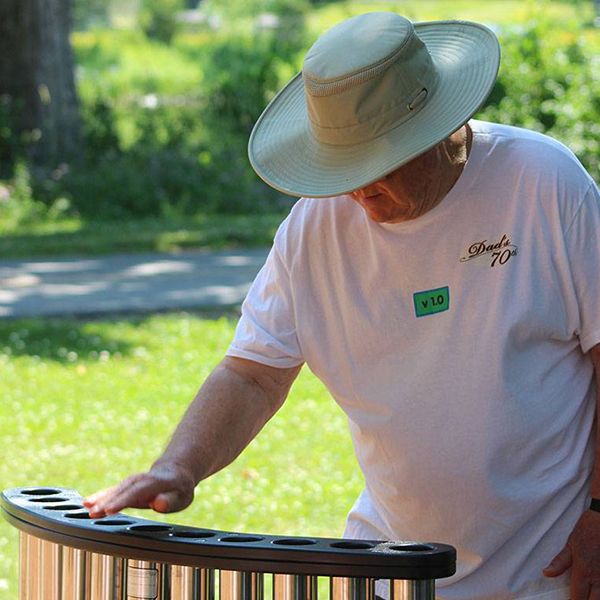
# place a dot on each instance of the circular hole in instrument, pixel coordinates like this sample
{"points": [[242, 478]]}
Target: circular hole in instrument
{"points": [[151, 528], [294, 542], [242, 539], [352, 545], [410, 548], [79, 515], [193, 534], [113, 522], [64, 507], [40, 492], [51, 499]]}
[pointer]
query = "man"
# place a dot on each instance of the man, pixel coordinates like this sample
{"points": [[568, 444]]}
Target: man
{"points": [[446, 291]]}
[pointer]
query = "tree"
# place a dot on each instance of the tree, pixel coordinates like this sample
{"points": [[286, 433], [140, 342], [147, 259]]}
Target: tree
{"points": [[37, 81]]}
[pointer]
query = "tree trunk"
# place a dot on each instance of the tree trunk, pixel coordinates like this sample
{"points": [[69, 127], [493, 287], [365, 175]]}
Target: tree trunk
{"points": [[36, 77]]}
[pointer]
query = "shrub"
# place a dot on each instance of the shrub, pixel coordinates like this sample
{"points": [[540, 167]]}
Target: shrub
{"points": [[549, 83], [154, 147], [18, 205], [159, 18]]}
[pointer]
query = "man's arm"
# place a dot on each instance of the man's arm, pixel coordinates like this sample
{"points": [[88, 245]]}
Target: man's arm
{"points": [[232, 406], [582, 551]]}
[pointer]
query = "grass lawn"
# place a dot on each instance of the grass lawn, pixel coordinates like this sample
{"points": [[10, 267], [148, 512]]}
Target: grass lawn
{"points": [[76, 237], [85, 403]]}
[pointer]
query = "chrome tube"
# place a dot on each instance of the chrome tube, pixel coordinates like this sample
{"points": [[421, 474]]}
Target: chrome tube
{"points": [[189, 583], [241, 585], [28, 564], [205, 584], [182, 583], [144, 580], [73, 574], [405, 589], [105, 577], [32, 584], [50, 570], [295, 587], [352, 588]]}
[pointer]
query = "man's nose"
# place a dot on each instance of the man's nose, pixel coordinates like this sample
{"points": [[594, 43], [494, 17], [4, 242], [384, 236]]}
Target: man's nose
{"points": [[365, 192]]}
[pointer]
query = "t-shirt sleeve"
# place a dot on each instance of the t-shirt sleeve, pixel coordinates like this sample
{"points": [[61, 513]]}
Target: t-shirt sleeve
{"points": [[266, 331], [583, 246]]}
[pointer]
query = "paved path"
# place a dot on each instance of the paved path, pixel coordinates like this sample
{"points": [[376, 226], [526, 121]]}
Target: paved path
{"points": [[123, 283]]}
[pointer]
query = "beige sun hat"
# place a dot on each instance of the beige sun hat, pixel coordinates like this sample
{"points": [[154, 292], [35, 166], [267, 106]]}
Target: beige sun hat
{"points": [[375, 91]]}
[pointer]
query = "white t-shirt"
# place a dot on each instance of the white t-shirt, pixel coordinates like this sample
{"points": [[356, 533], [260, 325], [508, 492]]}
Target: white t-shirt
{"points": [[455, 344]]}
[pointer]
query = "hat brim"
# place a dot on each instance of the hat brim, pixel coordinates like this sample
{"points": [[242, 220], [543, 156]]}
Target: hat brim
{"points": [[286, 155]]}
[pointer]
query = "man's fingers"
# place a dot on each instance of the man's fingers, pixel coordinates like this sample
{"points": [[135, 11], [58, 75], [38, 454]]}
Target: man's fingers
{"points": [[137, 491], [95, 503], [165, 488], [98, 496], [105, 494], [136, 495], [560, 563]]}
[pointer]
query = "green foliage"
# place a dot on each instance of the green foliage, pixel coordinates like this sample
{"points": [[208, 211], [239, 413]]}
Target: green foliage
{"points": [[159, 18], [19, 208], [550, 83], [170, 138]]}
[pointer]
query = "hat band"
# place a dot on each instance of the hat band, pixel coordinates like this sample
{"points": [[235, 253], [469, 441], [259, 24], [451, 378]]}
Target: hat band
{"points": [[350, 135]]}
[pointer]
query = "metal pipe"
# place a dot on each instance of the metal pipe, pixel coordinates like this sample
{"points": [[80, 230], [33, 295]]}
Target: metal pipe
{"points": [[73, 574], [145, 580], [241, 585], [295, 587], [25, 566], [105, 577], [407, 589], [352, 588], [189, 583], [50, 570], [182, 583]]}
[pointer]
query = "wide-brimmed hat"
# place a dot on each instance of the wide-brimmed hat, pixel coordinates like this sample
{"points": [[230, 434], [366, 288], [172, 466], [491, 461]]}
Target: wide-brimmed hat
{"points": [[375, 91]]}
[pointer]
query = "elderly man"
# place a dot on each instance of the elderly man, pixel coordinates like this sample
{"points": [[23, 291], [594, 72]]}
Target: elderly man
{"points": [[440, 276]]}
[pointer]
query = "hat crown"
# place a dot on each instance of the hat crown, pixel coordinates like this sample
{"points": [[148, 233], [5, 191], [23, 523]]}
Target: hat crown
{"points": [[364, 77], [355, 45]]}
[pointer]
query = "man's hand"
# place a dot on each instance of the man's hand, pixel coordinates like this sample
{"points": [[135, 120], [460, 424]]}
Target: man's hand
{"points": [[581, 554], [165, 488]]}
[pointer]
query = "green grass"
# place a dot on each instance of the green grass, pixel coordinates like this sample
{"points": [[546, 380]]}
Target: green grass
{"points": [[85, 403], [77, 237]]}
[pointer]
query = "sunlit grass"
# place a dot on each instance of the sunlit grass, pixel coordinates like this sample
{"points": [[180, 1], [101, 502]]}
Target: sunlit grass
{"points": [[74, 236], [86, 403]]}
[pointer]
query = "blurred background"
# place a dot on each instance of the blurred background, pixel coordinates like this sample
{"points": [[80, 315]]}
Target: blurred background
{"points": [[94, 93], [123, 128]]}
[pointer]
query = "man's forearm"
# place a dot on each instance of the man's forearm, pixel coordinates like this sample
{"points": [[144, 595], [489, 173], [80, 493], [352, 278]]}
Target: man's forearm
{"points": [[232, 406], [229, 410]]}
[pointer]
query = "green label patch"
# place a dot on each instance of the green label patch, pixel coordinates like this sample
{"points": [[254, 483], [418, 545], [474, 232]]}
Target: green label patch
{"points": [[431, 302]]}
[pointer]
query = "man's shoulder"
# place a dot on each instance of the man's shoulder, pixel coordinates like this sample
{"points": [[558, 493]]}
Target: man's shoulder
{"points": [[324, 207], [321, 212], [525, 149], [317, 222], [518, 137]]}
